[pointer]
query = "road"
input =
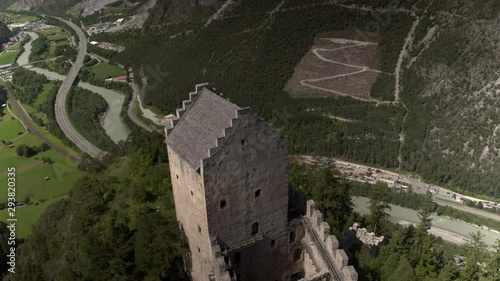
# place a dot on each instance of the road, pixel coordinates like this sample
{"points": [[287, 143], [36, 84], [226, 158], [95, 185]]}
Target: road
{"points": [[417, 185], [361, 68], [468, 209], [60, 106], [31, 63], [28, 123], [130, 111]]}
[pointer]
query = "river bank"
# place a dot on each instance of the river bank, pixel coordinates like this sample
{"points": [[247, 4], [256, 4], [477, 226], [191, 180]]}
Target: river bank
{"points": [[449, 229], [112, 122]]}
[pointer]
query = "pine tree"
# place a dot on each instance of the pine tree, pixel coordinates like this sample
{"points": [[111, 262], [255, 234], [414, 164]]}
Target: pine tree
{"points": [[424, 214], [493, 264], [332, 195], [471, 271], [379, 204], [403, 272]]}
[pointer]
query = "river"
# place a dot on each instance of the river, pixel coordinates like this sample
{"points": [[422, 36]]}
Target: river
{"points": [[403, 215], [112, 122]]}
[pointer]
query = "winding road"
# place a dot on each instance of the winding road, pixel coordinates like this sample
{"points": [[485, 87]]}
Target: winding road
{"points": [[60, 106], [130, 112], [361, 68]]}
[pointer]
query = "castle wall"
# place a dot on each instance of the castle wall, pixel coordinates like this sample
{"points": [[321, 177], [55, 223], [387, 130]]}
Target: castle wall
{"points": [[249, 172], [250, 158], [328, 243], [189, 197]]}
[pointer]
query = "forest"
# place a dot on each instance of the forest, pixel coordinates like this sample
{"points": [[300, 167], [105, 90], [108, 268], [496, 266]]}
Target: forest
{"points": [[3, 99], [85, 110], [125, 229], [27, 85], [5, 34], [445, 137], [255, 61]]}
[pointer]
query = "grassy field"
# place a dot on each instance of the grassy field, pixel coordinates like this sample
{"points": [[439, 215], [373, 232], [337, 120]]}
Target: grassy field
{"points": [[52, 31], [15, 47], [27, 216], [104, 70], [7, 57], [42, 97], [24, 19], [31, 174], [9, 127], [31, 110]]}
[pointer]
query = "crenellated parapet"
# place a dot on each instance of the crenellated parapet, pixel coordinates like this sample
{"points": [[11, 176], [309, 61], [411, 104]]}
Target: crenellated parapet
{"points": [[185, 105], [328, 243]]}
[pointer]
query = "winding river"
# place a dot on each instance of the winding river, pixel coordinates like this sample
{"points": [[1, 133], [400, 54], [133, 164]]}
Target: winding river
{"points": [[112, 122], [445, 227]]}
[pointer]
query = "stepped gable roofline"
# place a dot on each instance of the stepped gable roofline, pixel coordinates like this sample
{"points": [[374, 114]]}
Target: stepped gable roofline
{"points": [[200, 125]]}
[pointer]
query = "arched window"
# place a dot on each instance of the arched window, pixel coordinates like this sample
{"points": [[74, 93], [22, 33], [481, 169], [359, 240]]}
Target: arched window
{"points": [[255, 228]]}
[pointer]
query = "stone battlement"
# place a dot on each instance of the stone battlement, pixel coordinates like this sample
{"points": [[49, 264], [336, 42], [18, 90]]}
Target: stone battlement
{"points": [[331, 243]]}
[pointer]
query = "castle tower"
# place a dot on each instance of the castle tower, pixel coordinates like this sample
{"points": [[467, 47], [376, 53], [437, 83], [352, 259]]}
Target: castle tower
{"points": [[230, 184]]}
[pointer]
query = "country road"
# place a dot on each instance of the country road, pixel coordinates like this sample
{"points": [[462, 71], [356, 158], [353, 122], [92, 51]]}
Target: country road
{"points": [[130, 112], [60, 106], [361, 68]]}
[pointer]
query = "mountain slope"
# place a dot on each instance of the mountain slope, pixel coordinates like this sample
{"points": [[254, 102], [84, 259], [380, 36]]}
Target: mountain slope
{"points": [[451, 87]]}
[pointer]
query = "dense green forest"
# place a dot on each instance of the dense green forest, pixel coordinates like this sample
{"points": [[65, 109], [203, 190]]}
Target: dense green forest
{"points": [[85, 110], [449, 92], [255, 61], [27, 85], [124, 229], [447, 125], [5, 33], [3, 99]]}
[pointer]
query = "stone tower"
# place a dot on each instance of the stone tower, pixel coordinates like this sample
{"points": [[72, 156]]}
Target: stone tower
{"points": [[230, 184], [229, 173]]}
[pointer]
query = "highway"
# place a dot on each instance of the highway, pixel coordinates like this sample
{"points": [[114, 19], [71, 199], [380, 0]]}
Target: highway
{"points": [[60, 106]]}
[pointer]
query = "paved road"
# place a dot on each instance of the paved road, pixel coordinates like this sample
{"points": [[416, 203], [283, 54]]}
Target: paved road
{"points": [[25, 119], [130, 111], [417, 186], [60, 106], [469, 210]]}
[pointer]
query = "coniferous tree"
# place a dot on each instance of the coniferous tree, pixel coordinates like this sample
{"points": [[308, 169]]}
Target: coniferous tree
{"points": [[424, 214], [332, 195], [379, 205]]}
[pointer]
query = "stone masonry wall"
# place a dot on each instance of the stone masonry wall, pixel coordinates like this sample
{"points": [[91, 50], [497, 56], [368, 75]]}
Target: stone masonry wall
{"points": [[338, 256], [189, 198]]}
